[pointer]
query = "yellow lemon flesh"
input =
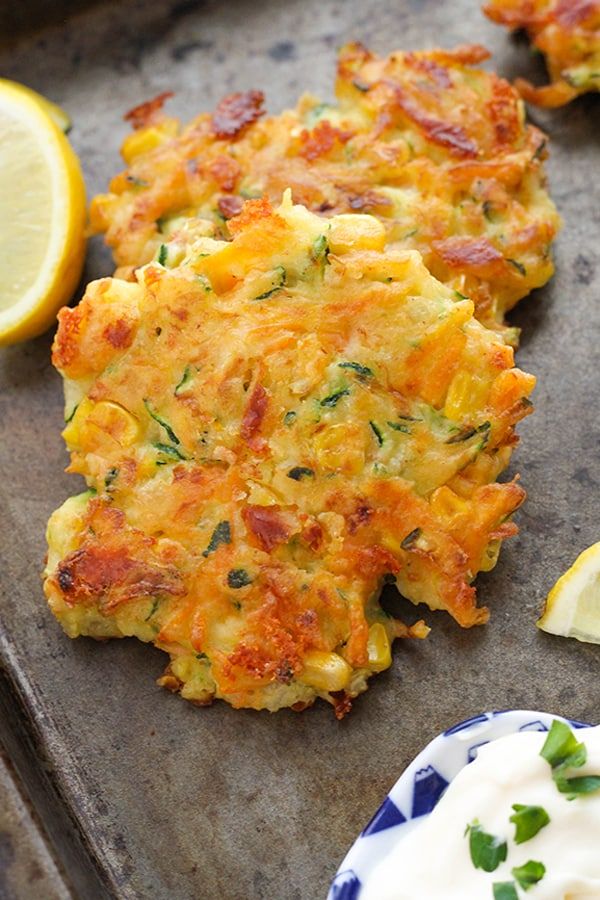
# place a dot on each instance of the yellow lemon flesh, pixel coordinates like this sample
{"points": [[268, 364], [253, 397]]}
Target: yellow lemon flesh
{"points": [[42, 222], [573, 605]]}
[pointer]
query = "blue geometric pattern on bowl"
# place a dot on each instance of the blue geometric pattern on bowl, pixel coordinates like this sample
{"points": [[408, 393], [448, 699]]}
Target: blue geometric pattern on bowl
{"points": [[422, 784]]}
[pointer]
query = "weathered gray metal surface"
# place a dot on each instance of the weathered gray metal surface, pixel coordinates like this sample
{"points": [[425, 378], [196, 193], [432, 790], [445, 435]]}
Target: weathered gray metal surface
{"points": [[179, 802], [27, 867]]}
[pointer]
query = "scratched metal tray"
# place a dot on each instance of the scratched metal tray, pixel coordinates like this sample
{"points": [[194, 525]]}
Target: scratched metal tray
{"points": [[143, 795]]}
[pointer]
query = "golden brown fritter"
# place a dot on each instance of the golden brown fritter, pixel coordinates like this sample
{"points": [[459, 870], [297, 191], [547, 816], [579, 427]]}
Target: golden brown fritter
{"points": [[270, 428], [433, 146], [568, 34]]}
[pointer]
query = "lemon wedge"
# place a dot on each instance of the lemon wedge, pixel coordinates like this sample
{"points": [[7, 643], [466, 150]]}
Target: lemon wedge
{"points": [[573, 605], [58, 115], [42, 242]]}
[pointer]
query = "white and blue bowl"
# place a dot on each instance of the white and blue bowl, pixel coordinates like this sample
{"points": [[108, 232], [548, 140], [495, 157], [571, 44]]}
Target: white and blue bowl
{"points": [[422, 784]]}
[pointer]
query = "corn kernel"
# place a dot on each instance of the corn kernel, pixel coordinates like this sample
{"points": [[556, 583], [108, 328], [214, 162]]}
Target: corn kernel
{"points": [[466, 395], [379, 650], [100, 212], [71, 433], [325, 671], [339, 447], [146, 139], [108, 419], [356, 232], [448, 505]]}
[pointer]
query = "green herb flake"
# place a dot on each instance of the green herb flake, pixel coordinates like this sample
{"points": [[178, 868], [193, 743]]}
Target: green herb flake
{"points": [[361, 86], [299, 472], [290, 417], [201, 656], [279, 278], [361, 371], [155, 605], [460, 296], [377, 432], [154, 415], [540, 150], [238, 578], [173, 452], [504, 890], [561, 747], [110, 477], [487, 851], [517, 265], [319, 252], [573, 787], [333, 399], [462, 435], [184, 380], [162, 255], [69, 418], [563, 751], [411, 538], [528, 820], [221, 535], [400, 426], [134, 181], [528, 874]]}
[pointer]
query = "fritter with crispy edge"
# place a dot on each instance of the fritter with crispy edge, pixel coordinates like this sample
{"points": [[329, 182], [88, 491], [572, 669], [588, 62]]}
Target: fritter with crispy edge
{"points": [[271, 428], [568, 34], [436, 148]]}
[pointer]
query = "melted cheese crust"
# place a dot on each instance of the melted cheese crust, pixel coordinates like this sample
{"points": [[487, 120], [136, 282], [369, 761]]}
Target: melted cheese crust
{"points": [[568, 34], [434, 147], [270, 428]]}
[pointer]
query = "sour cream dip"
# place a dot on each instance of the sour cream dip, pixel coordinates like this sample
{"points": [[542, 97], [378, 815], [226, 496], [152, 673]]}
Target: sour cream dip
{"points": [[434, 861]]}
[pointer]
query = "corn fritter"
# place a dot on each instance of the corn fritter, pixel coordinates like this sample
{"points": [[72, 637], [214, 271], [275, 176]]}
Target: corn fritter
{"points": [[435, 147], [270, 428]]}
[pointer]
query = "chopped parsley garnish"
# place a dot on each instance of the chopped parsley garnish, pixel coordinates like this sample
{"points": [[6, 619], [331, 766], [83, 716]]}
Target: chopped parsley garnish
{"points": [[487, 851], [528, 874], [362, 371], [290, 417], [278, 282], [201, 656], [504, 890], [333, 399], [377, 432], [299, 472], [162, 255], [172, 436], [563, 751], [238, 578], [517, 265], [411, 539], [173, 452], [528, 820], [221, 535], [460, 296]]}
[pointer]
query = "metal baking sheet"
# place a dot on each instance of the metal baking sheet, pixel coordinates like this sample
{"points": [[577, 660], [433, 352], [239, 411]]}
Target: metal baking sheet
{"points": [[145, 795]]}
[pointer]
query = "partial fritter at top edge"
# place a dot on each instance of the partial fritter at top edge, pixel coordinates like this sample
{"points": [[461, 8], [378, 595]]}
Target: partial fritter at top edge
{"points": [[432, 145]]}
